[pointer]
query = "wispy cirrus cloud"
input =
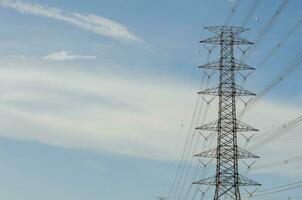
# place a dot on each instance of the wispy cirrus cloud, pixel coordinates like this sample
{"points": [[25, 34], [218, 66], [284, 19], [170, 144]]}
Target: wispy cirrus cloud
{"points": [[89, 22], [64, 55]]}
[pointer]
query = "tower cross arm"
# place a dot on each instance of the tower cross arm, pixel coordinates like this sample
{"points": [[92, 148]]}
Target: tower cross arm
{"points": [[223, 39]]}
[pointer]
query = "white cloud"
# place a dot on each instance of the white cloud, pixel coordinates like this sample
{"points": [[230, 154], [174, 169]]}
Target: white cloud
{"points": [[64, 55], [133, 115], [92, 23], [98, 111]]}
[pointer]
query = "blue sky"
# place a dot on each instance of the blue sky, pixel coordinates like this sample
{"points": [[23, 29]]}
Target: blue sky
{"points": [[93, 93]]}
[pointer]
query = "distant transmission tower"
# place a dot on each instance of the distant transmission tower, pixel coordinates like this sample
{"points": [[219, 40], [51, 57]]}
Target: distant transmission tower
{"points": [[161, 198], [227, 179]]}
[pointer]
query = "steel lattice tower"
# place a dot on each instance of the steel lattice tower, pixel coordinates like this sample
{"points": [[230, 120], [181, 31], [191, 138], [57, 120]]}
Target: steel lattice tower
{"points": [[227, 179]]}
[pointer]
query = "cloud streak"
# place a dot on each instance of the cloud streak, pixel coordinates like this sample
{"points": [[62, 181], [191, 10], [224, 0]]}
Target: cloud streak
{"points": [[99, 110], [94, 110], [64, 56], [89, 22]]}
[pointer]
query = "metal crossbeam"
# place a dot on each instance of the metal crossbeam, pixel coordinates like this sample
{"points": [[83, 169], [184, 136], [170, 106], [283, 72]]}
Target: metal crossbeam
{"points": [[212, 153]]}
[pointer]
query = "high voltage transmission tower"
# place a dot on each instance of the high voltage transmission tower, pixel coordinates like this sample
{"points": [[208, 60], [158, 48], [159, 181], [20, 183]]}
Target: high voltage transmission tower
{"points": [[161, 197], [227, 179]]}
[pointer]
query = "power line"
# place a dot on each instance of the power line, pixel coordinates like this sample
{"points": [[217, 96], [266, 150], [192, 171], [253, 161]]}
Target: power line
{"points": [[201, 175], [181, 168], [205, 111], [190, 137], [277, 189], [278, 45], [194, 150], [291, 31], [278, 163], [205, 82], [266, 28], [205, 165], [229, 17], [195, 171], [186, 173], [281, 197], [277, 132], [291, 66], [233, 10], [183, 155], [250, 12]]}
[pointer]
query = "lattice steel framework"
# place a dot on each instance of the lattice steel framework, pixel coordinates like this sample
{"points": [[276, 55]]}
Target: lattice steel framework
{"points": [[227, 179]]}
